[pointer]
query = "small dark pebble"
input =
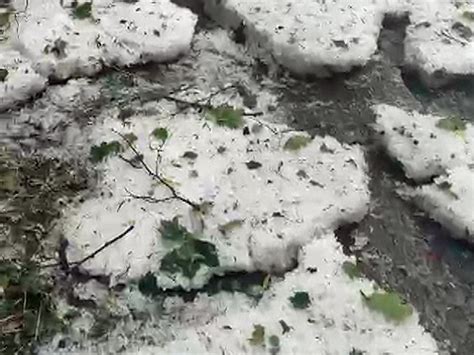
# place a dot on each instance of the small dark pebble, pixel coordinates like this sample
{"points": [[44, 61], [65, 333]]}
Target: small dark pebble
{"points": [[246, 131]]}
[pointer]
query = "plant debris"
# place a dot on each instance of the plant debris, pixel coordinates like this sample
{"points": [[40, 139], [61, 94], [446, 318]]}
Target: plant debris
{"points": [[104, 150], [258, 335], [352, 270], [83, 11], [300, 300], [284, 326], [252, 165], [226, 116], [296, 142], [189, 254], [453, 124], [3, 74], [160, 133], [390, 304]]}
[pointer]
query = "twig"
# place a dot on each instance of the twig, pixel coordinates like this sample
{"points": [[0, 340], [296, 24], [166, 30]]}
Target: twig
{"points": [[38, 321], [106, 244], [205, 106], [156, 176], [149, 199]]}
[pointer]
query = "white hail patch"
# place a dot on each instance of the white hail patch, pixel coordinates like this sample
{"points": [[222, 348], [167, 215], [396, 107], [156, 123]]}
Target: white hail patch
{"points": [[336, 321], [18, 80], [305, 36], [273, 207], [417, 141], [449, 200], [116, 33]]}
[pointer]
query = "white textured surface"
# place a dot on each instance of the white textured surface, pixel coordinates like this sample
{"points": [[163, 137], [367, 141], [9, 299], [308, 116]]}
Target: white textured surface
{"points": [[450, 200], [433, 46], [336, 322], [306, 36], [423, 149], [116, 34], [21, 83], [334, 191]]}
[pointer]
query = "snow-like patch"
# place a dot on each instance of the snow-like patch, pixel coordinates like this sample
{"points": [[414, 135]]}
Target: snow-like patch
{"points": [[264, 201], [308, 37], [438, 30], [336, 322], [417, 141], [450, 201], [18, 80], [116, 33]]}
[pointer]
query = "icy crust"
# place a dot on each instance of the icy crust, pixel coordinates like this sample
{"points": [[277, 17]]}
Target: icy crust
{"points": [[61, 45], [18, 80], [261, 201], [308, 37], [336, 322], [440, 40], [450, 200], [320, 37], [423, 148]]}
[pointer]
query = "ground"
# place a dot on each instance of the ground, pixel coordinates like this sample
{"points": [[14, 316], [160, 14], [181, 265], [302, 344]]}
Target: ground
{"points": [[228, 177]]}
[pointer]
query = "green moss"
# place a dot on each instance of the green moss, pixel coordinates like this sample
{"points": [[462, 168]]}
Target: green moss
{"points": [[104, 150], [300, 300], [390, 304], [226, 116], [83, 11], [297, 142], [130, 137]]}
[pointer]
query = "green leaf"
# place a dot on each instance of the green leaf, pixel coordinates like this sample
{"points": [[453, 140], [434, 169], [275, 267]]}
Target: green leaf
{"points": [[130, 137], [226, 116], [160, 133], [190, 253], [104, 150], [453, 124], [390, 304], [351, 269], [258, 335], [3, 74], [83, 11], [5, 19], [296, 142], [469, 15], [173, 231], [208, 251], [147, 285], [300, 300]]}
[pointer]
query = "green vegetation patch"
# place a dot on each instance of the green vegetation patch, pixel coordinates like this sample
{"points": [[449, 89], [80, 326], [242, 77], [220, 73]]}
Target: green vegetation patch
{"points": [[300, 300], [453, 124], [258, 335], [226, 116], [352, 269], [390, 304], [297, 142], [100, 152], [83, 11], [189, 253], [160, 133]]}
